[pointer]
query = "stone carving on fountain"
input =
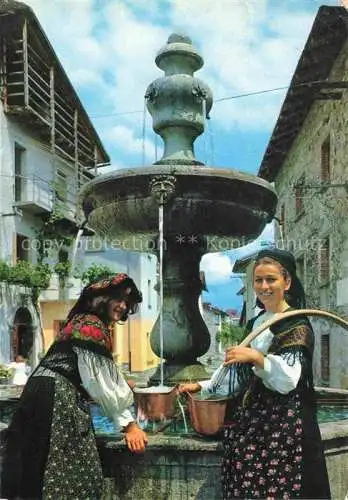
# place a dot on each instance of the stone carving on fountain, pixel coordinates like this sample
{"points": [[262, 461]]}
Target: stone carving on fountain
{"points": [[206, 209]]}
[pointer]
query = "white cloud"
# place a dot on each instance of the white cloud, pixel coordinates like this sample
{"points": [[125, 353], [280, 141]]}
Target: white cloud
{"points": [[108, 50], [123, 138], [267, 236], [217, 267]]}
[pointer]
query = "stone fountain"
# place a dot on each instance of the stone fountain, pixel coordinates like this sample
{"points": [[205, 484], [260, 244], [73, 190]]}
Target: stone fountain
{"points": [[205, 209]]}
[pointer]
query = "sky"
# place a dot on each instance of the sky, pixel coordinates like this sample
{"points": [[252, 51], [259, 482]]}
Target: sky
{"points": [[108, 47]]}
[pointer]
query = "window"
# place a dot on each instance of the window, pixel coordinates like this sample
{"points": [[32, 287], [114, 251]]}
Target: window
{"points": [[22, 247], [63, 256], [61, 186], [299, 196], [149, 294], [94, 244], [57, 326], [324, 261], [325, 358], [18, 170], [325, 173], [282, 218]]}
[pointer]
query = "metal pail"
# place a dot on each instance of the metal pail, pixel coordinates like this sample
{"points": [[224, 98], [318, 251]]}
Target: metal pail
{"points": [[207, 415], [155, 405]]}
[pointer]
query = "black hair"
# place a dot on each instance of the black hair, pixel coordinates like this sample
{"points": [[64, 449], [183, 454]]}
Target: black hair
{"points": [[97, 303]]}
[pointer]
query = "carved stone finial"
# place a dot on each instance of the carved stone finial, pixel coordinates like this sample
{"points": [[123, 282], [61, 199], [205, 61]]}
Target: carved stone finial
{"points": [[179, 38]]}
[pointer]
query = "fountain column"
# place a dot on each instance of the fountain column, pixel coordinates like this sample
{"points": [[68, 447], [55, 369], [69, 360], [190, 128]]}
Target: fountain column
{"points": [[177, 103]]}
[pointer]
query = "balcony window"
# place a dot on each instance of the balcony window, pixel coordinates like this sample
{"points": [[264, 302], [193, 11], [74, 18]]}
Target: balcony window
{"points": [[22, 248]]}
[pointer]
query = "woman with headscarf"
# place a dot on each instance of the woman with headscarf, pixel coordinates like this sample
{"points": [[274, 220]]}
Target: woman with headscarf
{"points": [[272, 443], [51, 450]]}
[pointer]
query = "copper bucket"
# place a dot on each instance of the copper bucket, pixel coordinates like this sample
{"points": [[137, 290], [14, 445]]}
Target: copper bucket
{"points": [[155, 405], [207, 415]]}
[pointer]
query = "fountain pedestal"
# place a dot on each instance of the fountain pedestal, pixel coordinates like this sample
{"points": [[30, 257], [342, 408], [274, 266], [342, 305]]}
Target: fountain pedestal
{"points": [[185, 334]]}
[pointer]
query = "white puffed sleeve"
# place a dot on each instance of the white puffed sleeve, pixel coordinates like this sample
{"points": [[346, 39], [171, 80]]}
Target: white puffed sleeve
{"points": [[111, 392], [278, 375]]}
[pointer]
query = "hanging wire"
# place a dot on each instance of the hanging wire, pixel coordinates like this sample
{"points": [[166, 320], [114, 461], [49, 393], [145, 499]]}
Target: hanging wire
{"points": [[227, 98]]}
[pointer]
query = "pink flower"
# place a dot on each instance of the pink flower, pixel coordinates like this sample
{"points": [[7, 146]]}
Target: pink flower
{"points": [[67, 330], [91, 331]]}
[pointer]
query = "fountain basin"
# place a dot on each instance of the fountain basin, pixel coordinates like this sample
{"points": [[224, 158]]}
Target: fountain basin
{"points": [[206, 201], [187, 467]]}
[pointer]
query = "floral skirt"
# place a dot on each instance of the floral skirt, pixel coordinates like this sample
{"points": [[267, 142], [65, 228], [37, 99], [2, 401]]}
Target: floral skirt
{"points": [[273, 450], [73, 468], [50, 449]]}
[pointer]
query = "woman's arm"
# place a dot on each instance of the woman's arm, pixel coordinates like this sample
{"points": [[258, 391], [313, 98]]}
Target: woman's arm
{"points": [[107, 387], [223, 382], [278, 375], [274, 370]]}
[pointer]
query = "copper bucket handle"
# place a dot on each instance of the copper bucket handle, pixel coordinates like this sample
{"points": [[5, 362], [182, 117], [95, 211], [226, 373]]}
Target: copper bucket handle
{"points": [[291, 314]]}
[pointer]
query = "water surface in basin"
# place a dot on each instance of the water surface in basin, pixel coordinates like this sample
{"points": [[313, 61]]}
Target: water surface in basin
{"points": [[103, 425]]}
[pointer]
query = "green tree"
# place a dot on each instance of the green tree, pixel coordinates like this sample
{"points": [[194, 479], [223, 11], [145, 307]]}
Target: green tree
{"points": [[95, 272], [230, 334]]}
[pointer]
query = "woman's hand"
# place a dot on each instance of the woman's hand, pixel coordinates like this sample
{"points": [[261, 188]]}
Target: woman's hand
{"points": [[136, 438], [188, 387], [243, 355]]}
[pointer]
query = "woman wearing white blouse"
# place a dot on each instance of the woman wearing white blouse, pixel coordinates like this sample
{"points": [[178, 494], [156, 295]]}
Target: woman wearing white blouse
{"points": [[272, 442], [51, 450]]}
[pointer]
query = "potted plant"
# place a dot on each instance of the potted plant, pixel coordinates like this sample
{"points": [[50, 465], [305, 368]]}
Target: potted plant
{"points": [[5, 374]]}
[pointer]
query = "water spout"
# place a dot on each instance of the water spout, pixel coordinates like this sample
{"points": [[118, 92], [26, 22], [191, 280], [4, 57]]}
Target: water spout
{"points": [[79, 235], [162, 188]]}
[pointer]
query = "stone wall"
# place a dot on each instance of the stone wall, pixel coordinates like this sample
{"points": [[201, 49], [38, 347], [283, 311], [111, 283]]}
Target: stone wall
{"points": [[185, 468]]}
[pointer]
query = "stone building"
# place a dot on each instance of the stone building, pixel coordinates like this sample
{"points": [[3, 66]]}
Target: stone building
{"points": [[48, 150], [306, 158]]}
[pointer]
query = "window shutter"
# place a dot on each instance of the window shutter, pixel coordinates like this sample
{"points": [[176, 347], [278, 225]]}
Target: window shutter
{"points": [[325, 161]]}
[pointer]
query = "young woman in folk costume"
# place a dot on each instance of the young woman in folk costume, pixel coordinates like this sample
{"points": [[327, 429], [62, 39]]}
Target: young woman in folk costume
{"points": [[51, 449], [272, 443]]}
